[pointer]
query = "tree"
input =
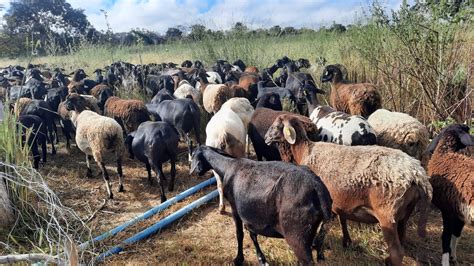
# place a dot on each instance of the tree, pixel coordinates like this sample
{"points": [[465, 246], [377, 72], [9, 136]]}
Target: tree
{"points": [[239, 28], [173, 34], [45, 16], [198, 32], [275, 30], [289, 31], [52, 23]]}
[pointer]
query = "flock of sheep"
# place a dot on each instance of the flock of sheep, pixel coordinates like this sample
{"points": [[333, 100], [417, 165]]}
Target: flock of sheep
{"points": [[352, 159]]}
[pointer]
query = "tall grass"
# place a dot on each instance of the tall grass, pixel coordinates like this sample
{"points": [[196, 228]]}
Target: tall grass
{"points": [[39, 221]]}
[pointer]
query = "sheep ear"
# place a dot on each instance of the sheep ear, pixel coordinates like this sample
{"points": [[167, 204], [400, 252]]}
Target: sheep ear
{"points": [[290, 134], [466, 139]]}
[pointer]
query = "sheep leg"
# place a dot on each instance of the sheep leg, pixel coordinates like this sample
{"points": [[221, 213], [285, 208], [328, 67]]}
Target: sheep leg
{"points": [[105, 175], [36, 156], [89, 170], [190, 146], [220, 189], [247, 145], [44, 150], [318, 241], [51, 140], [458, 225], [148, 170], [395, 249], [173, 174], [239, 231], [346, 238], [120, 175], [161, 181], [261, 258]]}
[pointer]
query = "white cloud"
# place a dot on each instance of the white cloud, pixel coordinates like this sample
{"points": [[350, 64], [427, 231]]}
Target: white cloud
{"points": [[158, 15]]}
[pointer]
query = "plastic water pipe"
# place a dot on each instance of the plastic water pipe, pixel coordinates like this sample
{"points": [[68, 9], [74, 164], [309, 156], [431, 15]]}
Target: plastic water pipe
{"points": [[159, 225], [151, 212]]}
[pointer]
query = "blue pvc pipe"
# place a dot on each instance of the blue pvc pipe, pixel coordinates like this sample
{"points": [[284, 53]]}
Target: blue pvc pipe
{"points": [[159, 225], [151, 212]]}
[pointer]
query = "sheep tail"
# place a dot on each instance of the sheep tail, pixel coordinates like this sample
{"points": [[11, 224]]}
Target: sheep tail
{"points": [[111, 141], [424, 203]]}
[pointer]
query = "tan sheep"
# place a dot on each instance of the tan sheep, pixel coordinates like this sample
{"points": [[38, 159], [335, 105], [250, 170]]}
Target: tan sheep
{"points": [[96, 136], [370, 184], [399, 131]]}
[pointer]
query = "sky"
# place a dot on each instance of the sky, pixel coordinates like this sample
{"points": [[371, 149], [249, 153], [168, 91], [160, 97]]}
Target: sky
{"points": [[159, 15]]}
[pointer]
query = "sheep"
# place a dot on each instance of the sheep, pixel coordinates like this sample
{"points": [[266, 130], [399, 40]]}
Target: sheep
{"points": [[270, 100], [274, 199], [282, 92], [337, 127], [368, 184], [95, 136], [183, 114], [153, 144], [128, 113], [212, 78], [226, 131], [184, 89], [243, 108], [399, 131], [213, 95], [260, 122], [452, 178], [353, 98], [38, 136], [102, 93]]}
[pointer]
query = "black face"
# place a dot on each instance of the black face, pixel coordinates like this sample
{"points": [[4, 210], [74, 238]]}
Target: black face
{"points": [[199, 164], [327, 75]]}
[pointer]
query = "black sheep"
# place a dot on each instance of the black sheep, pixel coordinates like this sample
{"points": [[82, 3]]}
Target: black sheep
{"points": [[183, 114], [37, 137], [273, 199], [154, 143]]}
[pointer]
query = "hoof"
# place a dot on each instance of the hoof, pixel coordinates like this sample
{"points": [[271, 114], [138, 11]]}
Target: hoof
{"points": [[239, 261], [163, 199], [53, 152], [89, 173], [121, 189], [221, 209], [346, 243], [320, 257], [111, 196], [171, 187]]}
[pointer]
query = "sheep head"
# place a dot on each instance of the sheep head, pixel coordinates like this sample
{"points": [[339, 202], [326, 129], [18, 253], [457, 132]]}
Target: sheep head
{"points": [[291, 128], [452, 138], [78, 75], [332, 73], [74, 102]]}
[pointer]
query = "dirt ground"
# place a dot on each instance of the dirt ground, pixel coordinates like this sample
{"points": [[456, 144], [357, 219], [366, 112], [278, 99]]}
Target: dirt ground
{"points": [[204, 235]]}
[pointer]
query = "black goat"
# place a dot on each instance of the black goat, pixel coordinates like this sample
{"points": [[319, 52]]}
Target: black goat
{"points": [[43, 110], [183, 114], [156, 83], [270, 100], [161, 96], [282, 92], [154, 143], [273, 199], [37, 136]]}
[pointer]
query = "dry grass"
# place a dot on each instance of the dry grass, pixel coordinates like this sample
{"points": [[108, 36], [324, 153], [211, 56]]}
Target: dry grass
{"points": [[204, 236]]}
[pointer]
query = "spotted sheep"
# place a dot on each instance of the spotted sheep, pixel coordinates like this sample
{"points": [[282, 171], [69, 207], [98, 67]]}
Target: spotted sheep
{"points": [[337, 127]]}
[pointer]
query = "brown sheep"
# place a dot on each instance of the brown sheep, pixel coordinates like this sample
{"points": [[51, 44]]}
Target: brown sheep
{"points": [[369, 184], [352, 98], [452, 178], [251, 69], [128, 113], [213, 95]]}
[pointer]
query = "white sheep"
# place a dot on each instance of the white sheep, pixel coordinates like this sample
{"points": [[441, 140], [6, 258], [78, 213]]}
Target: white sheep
{"points": [[226, 131], [184, 89], [399, 131], [97, 135], [243, 108], [212, 78]]}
